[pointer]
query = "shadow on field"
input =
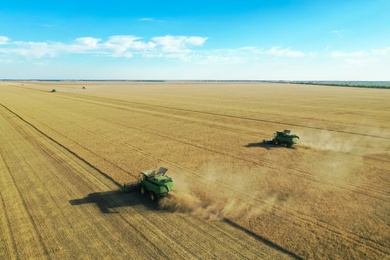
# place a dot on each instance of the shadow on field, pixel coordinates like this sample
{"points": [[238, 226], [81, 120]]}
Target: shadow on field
{"points": [[109, 200], [261, 238], [268, 146], [264, 145]]}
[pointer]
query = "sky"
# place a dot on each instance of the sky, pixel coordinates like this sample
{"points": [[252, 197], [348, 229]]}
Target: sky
{"points": [[195, 40]]}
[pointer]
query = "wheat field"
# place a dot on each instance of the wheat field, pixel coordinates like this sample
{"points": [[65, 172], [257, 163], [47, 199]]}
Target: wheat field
{"points": [[65, 154]]}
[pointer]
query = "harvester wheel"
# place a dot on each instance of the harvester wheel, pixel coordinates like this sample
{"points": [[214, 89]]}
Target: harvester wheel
{"points": [[277, 142], [142, 190], [289, 145]]}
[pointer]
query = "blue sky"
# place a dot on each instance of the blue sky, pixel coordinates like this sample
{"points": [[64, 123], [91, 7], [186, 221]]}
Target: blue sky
{"points": [[179, 40]]}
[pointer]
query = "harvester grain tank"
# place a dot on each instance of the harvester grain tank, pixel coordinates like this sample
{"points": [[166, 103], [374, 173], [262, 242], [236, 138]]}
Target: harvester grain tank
{"points": [[153, 183]]}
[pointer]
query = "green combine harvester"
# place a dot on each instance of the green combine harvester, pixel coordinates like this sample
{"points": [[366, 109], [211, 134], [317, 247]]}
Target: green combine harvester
{"points": [[283, 138], [153, 183]]}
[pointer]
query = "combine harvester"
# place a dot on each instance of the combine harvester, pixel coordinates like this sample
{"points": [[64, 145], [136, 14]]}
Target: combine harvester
{"points": [[283, 138], [152, 182]]}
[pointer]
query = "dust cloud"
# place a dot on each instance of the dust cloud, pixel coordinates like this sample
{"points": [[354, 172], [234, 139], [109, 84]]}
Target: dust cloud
{"points": [[223, 193], [375, 142], [223, 189]]}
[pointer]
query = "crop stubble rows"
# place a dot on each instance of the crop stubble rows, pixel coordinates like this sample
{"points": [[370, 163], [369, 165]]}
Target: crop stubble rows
{"points": [[124, 136], [54, 176]]}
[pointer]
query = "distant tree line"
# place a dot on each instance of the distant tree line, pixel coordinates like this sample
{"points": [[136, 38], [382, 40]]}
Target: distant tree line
{"points": [[350, 84]]}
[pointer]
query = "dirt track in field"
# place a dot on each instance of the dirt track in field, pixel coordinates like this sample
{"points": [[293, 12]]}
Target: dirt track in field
{"points": [[65, 154]]}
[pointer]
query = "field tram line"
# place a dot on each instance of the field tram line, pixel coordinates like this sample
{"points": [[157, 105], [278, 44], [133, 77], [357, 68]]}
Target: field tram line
{"points": [[142, 153], [60, 178], [215, 114], [275, 247], [148, 242], [220, 246], [118, 101], [374, 193], [52, 139], [299, 218], [324, 225], [305, 174], [196, 227], [186, 241], [315, 220], [78, 157], [73, 194], [90, 99], [13, 251], [363, 190], [92, 210], [348, 186], [128, 222], [202, 123], [153, 236], [209, 125], [28, 212], [86, 182], [151, 227], [24, 203], [303, 219], [78, 144], [191, 237], [165, 115], [264, 163], [40, 147]]}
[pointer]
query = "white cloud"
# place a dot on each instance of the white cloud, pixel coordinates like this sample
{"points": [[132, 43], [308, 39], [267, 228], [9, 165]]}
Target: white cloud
{"points": [[276, 51], [122, 43], [355, 58], [178, 43], [88, 42], [222, 59], [30, 49], [279, 52], [51, 49], [146, 19], [338, 33], [190, 49], [80, 45], [356, 54], [127, 45], [4, 40], [382, 52], [372, 61], [116, 46], [196, 41], [172, 47]]}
